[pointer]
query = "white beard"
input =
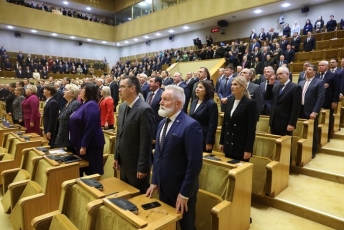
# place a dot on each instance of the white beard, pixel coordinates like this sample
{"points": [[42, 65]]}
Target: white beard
{"points": [[165, 112]]}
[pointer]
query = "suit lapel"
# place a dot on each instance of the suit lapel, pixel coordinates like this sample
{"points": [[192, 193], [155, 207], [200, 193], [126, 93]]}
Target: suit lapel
{"points": [[199, 107], [240, 106], [175, 124], [286, 88]]}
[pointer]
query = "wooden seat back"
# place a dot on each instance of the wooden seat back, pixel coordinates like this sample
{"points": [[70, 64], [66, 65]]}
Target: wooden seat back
{"points": [[263, 124], [323, 123], [302, 140]]}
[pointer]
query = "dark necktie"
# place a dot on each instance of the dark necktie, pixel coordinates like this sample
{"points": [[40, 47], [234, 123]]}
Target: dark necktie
{"points": [[164, 133], [150, 98], [127, 110], [321, 76], [281, 89]]}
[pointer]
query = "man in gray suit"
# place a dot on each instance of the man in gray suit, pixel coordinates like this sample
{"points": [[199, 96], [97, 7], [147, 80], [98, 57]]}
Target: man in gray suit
{"points": [[253, 89], [302, 75], [134, 136]]}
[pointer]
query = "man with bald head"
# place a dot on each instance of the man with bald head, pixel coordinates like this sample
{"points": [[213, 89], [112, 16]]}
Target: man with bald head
{"points": [[285, 99]]}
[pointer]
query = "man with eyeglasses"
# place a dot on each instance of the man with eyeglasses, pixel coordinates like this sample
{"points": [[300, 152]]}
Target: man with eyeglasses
{"points": [[285, 99], [340, 72], [134, 136]]}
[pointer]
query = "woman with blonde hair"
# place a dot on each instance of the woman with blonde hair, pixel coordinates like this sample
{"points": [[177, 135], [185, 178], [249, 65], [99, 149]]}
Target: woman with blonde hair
{"points": [[106, 108], [239, 122], [31, 110]]}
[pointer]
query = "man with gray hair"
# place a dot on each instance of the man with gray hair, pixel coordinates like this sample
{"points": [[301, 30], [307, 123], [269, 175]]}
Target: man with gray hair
{"points": [[178, 157], [269, 72], [178, 81], [144, 85], [285, 99]]}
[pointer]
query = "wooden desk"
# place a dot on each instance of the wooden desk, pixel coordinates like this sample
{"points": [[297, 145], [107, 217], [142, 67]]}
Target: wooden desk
{"points": [[113, 184]]}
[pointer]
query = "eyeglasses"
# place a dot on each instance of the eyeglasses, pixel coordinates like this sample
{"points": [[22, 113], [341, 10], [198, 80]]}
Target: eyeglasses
{"points": [[164, 212], [278, 74], [123, 86]]}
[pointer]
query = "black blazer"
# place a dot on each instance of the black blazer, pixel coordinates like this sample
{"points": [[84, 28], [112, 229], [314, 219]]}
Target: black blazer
{"points": [[239, 130], [289, 55], [50, 114], [155, 105], [314, 97], [332, 88], [309, 45], [285, 106], [207, 115]]}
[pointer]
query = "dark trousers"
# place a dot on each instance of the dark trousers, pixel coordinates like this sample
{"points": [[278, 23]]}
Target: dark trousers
{"points": [[17, 122], [331, 124], [189, 217], [315, 130], [130, 177]]}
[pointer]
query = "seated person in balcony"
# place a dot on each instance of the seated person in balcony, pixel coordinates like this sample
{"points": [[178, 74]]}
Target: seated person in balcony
{"points": [[8, 65], [27, 73], [331, 25], [19, 73], [60, 68], [36, 74], [39, 67]]}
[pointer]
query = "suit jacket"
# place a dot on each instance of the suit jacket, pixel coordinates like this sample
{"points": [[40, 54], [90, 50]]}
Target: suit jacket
{"points": [[256, 94], [19, 74], [134, 137], [31, 108], [262, 36], [27, 74], [246, 64], [254, 45], [302, 77], [145, 90], [155, 105], [106, 111], [187, 95], [114, 93], [190, 85], [333, 90], [218, 81], [167, 81], [225, 90], [177, 166], [266, 103], [252, 36], [239, 129], [296, 43], [309, 45], [314, 96], [272, 36], [50, 114], [283, 44], [289, 55], [285, 106], [207, 115]]}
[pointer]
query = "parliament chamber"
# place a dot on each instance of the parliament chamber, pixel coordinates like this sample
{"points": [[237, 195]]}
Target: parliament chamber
{"points": [[280, 187]]}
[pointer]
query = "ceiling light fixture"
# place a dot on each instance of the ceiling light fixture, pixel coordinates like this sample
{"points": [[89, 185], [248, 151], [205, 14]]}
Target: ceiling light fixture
{"points": [[142, 3], [72, 37], [88, 8], [129, 19], [146, 37], [34, 31], [257, 11], [104, 42], [65, 2], [126, 42], [285, 4], [185, 27], [118, 44], [158, 34], [135, 39], [10, 27], [89, 40], [53, 34], [171, 31]]}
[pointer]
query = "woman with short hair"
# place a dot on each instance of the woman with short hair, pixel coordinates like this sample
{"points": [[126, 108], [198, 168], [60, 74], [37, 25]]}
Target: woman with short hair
{"points": [[106, 108], [86, 135], [17, 106], [31, 110]]}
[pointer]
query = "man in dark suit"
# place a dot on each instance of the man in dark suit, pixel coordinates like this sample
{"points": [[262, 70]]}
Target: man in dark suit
{"points": [[283, 43], [27, 73], [309, 43], [225, 87], [19, 73], [332, 86], [43, 60], [285, 103], [192, 81], [281, 62], [44, 73], [245, 63], [254, 45], [153, 99], [134, 136], [20, 58], [289, 54], [219, 79], [266, 105], [166, 80], [340, 72], [295, 42], [262, 36], [178, 81], [144, 85], [113, 88], [253, 89], [271, 35], [313, 96], [51, 112], [177, 158], [253, 35]]}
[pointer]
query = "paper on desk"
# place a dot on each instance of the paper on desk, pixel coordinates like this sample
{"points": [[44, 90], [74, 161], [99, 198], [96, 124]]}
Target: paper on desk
{"points": [[57, 151]]}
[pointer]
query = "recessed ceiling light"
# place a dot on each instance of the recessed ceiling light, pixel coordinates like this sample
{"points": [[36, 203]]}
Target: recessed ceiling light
{"points": [[171, 31], [158, 34], [34, 31], [65, 2], [129, 19], [88, 8], [257, 11], [104, 42], [54, 34], [89, 39], [118, 44], [142, 3], [72, 37], [146, 37], [285, 4], [185, 27], [10, 27], [135, 39], [126, 42]]}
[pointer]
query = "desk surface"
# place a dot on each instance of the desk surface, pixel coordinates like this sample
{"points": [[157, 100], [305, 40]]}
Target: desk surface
{"points": [[154, 214], [113, 184]]}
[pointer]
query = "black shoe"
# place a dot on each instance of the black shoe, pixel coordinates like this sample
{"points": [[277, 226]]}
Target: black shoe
{"points": [[250, 220], [313, 156]]}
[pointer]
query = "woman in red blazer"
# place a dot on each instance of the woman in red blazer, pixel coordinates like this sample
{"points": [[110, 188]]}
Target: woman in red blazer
{"points": [[106, 108], [31, 110]]}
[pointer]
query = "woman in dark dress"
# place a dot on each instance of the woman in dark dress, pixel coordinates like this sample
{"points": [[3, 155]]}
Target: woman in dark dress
{"points": [[239, 122], [9, 100], [86, 135], [204, 110], [308, 27], [17, 106], [61, 139]]}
